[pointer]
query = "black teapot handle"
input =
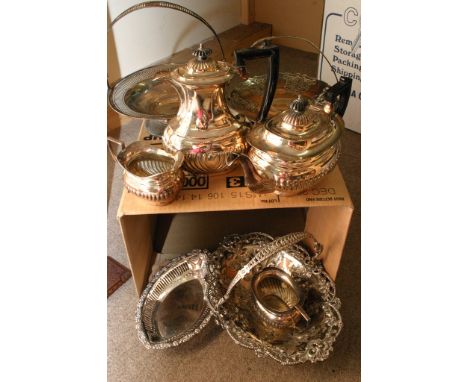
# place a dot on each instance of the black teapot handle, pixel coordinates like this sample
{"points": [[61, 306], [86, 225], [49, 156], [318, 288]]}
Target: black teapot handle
{"points": [[272, 53], [339, 95]]}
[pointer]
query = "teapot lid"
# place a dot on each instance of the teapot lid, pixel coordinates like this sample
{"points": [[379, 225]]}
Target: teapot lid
{"points": [[203, 69], [305, 129]]}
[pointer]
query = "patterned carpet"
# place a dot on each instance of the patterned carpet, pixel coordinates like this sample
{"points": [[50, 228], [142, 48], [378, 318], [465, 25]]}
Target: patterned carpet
{"points": [[117, 275]]}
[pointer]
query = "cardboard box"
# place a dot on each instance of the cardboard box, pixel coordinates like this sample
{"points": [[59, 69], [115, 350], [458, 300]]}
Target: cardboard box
{"points": [[341, 44], [212, 206]]}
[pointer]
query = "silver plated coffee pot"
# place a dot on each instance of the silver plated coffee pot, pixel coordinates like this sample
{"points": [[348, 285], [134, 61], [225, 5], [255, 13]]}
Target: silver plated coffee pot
{"points": [[204, 129]]}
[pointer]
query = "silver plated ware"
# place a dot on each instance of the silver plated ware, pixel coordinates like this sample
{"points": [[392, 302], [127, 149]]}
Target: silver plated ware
{"points": [[277, 298], [296, 147], [172, 308], [234, 266], [144, 94], [245, 97], [149, 171], [204, 129]]}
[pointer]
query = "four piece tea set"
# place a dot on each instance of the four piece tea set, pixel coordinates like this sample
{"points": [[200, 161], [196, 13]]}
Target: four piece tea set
{"points": [[271, 295]]}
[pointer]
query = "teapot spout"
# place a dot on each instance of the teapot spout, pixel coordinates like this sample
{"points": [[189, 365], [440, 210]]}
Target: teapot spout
{"points": [[253, 180]]}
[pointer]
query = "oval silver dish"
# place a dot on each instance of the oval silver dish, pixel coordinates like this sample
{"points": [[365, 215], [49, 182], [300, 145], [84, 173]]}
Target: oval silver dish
{"points": [[172, 308], [143, 94]]}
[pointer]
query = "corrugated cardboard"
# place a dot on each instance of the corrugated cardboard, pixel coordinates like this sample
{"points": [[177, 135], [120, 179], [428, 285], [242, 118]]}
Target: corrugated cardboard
{"points": [[211, 206]]}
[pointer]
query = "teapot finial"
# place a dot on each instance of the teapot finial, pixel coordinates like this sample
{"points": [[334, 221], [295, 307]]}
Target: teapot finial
{"points": [[299, 104], [202, 53]]}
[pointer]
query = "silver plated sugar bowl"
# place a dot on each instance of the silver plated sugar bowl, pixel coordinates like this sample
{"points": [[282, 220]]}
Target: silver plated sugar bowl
{"points": [[149, 171]]}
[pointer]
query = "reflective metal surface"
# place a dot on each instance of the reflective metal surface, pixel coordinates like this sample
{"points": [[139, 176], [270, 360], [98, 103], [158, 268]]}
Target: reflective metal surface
{"points": [[146, 94], [299, 144], [245, 97], [300, 341], [149, 171], [204, 128], [294, 149], [277, 298], [172, 308]]}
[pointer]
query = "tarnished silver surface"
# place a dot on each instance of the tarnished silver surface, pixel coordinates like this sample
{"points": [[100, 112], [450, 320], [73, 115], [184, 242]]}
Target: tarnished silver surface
{"points": [[296, 343], [149, 171], [172, 308]]}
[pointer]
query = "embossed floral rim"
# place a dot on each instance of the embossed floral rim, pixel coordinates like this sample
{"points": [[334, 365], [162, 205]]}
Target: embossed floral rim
{"points": [[317, 349]]}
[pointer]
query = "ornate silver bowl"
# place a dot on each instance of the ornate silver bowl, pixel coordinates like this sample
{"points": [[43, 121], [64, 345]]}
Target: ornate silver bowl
{"points": [[299, 342], [149, 171]]}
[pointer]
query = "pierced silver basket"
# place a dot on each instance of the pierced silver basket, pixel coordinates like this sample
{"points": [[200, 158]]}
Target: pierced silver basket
{"points": [[172, 308], [230, 297]]}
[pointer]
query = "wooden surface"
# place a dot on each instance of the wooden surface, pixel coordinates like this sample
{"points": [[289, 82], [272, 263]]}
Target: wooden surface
{"points": [[241, 36], [247, 11], [292, 17]]}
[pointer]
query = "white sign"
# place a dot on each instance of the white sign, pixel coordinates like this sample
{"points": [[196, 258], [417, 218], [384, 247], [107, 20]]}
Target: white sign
{"points": [[341, 44]]}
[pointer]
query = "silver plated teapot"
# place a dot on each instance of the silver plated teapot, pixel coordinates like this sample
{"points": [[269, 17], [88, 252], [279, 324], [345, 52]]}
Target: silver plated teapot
{"points": [[299, 143], [293, 150]]}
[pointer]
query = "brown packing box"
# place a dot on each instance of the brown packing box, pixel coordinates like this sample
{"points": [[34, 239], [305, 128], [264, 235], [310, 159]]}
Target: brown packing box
{"points": [[212, 206]]}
